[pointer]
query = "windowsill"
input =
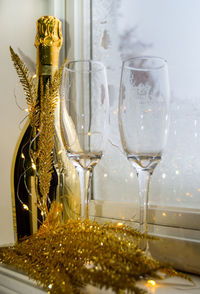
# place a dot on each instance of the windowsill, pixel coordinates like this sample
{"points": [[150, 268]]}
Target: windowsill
{"points": [[179, 245], [178, 230], [13, 282]]}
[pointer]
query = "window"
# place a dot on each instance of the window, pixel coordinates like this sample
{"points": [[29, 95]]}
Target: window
{"points": [[123, 29]]}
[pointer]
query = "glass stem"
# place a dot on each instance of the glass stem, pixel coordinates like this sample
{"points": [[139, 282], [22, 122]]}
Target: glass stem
{"points": [[144, 181], [85, 175]]}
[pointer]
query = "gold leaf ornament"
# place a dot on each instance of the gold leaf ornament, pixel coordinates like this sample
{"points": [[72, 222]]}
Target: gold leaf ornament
{"points": [[28, 85], [46, 142]]}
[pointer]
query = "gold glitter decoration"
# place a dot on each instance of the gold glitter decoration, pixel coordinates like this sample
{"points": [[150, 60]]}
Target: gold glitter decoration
{"points": [[41, 117], [49, 99], [65, 258], [28, 86]]}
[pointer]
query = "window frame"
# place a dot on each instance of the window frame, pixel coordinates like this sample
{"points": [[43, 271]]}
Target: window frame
{"points": [[176, 227]]}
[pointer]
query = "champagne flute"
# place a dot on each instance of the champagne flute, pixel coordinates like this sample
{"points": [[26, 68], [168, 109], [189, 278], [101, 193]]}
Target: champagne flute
{"points": [[84, 119], [143, 121]]}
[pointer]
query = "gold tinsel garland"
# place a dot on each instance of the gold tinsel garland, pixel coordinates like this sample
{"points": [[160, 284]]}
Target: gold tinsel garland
{"points": [[65, 258]]}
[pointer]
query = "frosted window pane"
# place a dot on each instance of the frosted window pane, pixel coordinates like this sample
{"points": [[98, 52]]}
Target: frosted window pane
{"points": [[169, 29]]}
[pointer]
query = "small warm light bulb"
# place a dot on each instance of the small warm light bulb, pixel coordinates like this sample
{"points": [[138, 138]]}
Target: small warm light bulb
{"points": [[119, 224], [22, 156], [33, 166], [25, 207], [26, 109], [164, 214], [151, 283], [50, 286], [148, 110], [89, 133]]}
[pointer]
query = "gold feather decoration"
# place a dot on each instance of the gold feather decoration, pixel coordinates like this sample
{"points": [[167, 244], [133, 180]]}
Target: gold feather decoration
{"points": [[49, 100], [46, 140], [41, 118], [29, 87]]}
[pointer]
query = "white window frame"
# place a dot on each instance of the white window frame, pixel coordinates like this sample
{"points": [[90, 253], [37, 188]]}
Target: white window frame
{"points": [[14, 282]]}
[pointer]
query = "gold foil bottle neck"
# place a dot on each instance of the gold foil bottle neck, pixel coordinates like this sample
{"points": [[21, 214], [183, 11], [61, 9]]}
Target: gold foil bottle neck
{"points": [[49, 32], [48, 42]]}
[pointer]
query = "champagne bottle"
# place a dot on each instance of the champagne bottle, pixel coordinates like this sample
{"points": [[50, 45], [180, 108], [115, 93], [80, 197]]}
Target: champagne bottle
{"points": [[64, 186]]}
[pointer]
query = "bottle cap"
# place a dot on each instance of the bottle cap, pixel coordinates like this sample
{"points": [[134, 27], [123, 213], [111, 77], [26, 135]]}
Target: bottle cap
{"points": [[49, 32], [48, 42]]}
